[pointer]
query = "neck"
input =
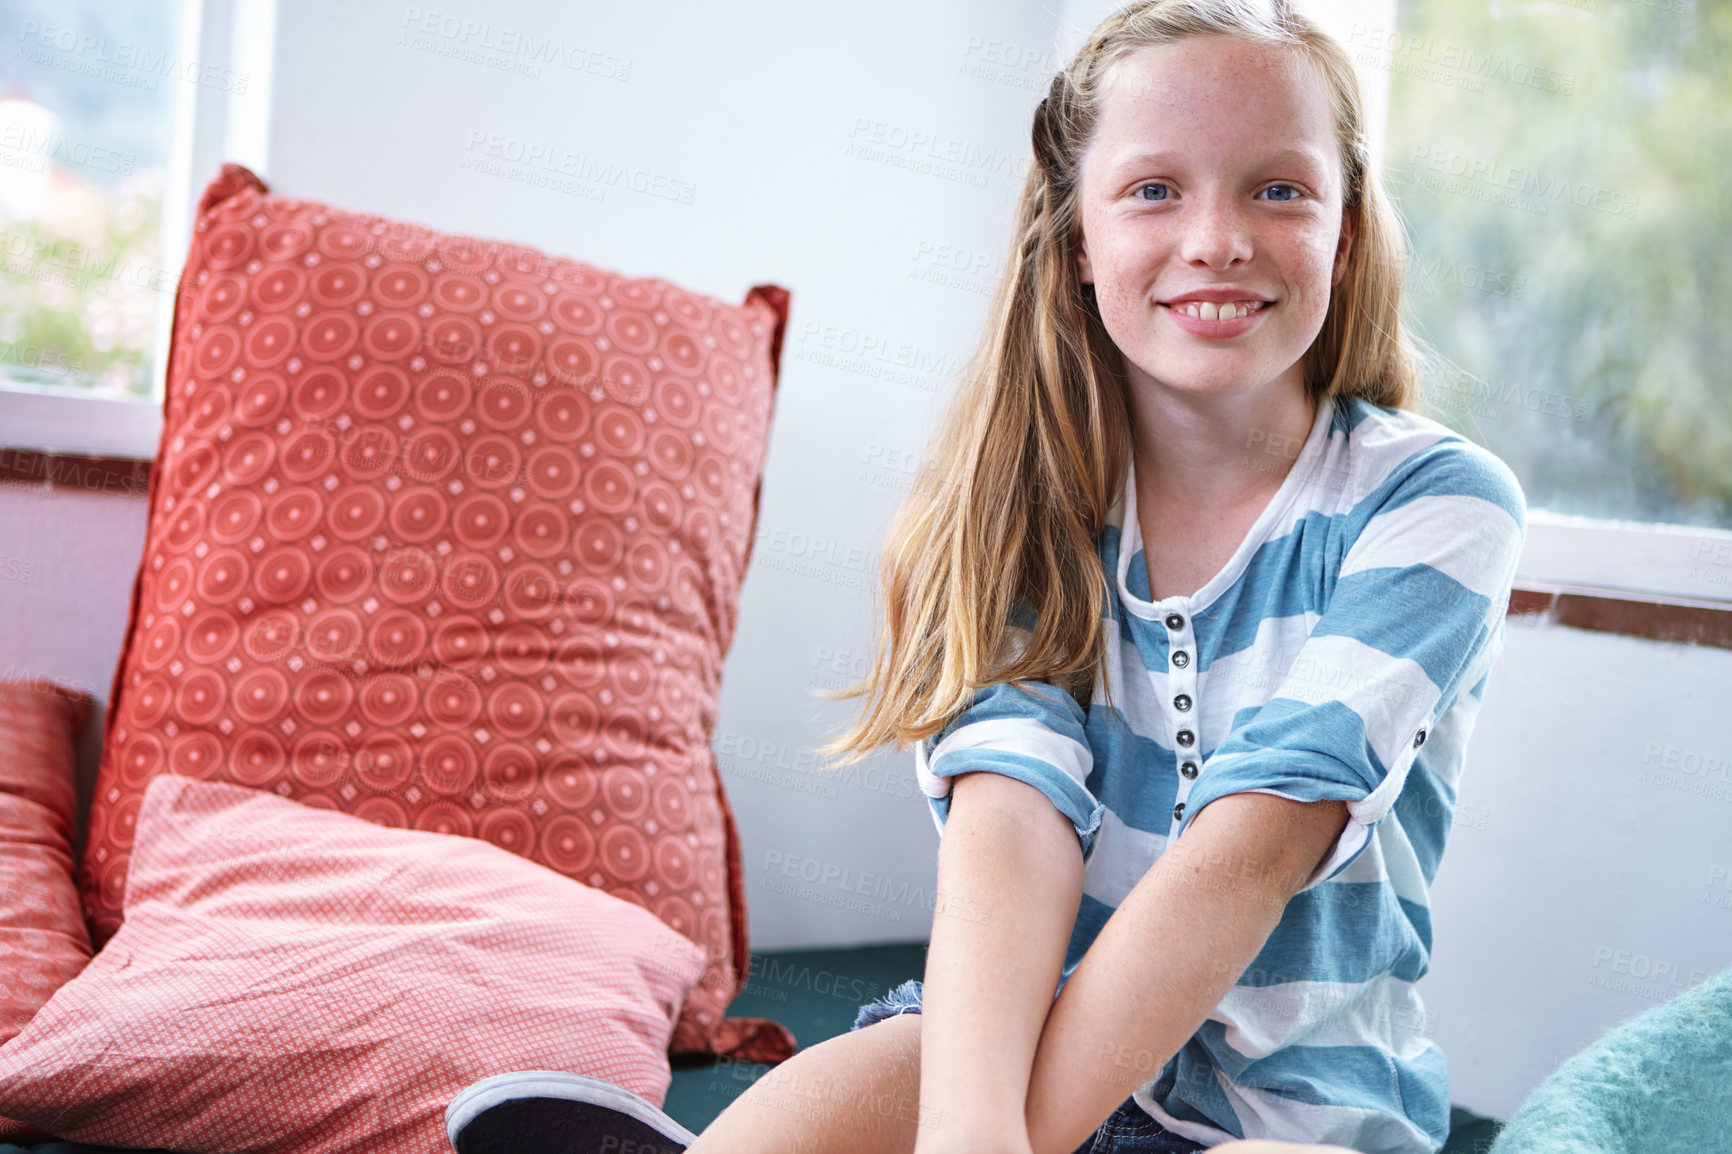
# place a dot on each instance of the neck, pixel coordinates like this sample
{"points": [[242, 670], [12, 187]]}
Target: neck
{"points": [[1212, 450]]}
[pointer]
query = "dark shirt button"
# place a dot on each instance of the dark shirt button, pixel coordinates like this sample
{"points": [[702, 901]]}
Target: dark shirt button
{"points": [[1187, 738], [1181, 658], [1182, 702], [1189, 769], [1178, 811], [1419, 739], [1175, 622]]}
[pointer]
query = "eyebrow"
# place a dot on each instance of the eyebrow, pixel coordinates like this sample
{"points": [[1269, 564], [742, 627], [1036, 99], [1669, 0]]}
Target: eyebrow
{"points": [[1303, 156]]}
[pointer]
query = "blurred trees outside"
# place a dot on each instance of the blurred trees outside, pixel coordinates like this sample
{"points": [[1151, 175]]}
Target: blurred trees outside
{"points": [[1562, 169], [86, 121]]}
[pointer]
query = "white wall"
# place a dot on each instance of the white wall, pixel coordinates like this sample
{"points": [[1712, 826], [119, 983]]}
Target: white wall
{"points": [[1563, 861], [1588, 876], [68, 559]]}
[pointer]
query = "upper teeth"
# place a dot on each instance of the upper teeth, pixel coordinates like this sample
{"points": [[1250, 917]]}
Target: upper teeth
{"points": [[1228, 311]]}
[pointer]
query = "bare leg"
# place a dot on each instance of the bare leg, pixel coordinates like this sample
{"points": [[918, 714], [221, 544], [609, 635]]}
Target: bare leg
{"points": [[856, 1093]]}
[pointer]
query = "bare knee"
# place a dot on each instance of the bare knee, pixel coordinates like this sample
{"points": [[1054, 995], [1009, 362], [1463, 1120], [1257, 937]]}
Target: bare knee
{"points": [[883, 1055], [856, 1093], [899, 1034]]}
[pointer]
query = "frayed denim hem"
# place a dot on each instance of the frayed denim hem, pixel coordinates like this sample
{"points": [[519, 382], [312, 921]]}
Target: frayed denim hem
{"points": [[904, 999]]}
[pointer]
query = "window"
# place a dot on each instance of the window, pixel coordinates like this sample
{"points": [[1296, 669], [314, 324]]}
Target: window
{"points": [[1558, 163], [86, 132], [1561, 167]]}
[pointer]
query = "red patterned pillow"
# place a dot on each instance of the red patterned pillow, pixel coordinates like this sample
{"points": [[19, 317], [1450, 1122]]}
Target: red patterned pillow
{"points": [[43, 944], [448, 534]]}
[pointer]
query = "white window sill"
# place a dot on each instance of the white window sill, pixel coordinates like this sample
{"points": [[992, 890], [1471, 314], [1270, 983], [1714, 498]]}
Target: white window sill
{"points": [[74, 422], [1629, 559]]}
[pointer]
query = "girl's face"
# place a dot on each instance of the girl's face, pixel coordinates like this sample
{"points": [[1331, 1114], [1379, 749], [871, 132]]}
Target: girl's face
{"points": [[1214, 166]]}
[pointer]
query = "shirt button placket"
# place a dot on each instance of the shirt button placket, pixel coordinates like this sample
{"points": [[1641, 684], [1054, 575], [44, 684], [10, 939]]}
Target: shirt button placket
{"points": [[1181, 705]]}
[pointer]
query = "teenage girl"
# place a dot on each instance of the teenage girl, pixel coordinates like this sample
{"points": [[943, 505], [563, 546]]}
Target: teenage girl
{"points": [[1188, 618]]}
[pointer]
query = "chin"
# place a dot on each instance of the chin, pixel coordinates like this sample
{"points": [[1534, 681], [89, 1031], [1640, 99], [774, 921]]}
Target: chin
{"points": [[1208, 381]]}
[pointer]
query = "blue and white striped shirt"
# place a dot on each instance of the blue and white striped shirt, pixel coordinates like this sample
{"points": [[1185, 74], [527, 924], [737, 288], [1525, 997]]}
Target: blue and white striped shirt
{"points": [[1342, 654]]}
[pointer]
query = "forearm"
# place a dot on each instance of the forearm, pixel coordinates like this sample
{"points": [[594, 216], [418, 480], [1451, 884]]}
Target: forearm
{"points": [[1009, 885], [1168, 955]]}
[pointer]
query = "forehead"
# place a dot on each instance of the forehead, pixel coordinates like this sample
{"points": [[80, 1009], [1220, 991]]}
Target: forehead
{"points": [[1216, 100]]}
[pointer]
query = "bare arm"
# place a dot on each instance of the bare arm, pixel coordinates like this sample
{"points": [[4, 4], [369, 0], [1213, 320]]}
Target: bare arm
{"points": [[1167, 956], [1009, 886]]}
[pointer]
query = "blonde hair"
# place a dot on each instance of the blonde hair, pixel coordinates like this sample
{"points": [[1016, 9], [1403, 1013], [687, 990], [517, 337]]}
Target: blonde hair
{"points": [[1015, 490]]}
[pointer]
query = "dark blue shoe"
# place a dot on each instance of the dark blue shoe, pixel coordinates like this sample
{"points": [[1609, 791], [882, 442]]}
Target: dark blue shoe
{"points": [[550, 1112]]}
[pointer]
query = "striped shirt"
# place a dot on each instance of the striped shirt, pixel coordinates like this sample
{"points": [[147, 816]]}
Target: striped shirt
{"points": [[1341, 654]]}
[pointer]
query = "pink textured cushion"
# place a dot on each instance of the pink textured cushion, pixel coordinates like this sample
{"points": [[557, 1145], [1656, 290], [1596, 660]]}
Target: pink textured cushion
{"points": [[290, 978], [43, 943]]}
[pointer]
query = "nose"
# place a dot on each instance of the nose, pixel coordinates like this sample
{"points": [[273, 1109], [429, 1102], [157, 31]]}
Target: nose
{"points": [[1217, 234]]}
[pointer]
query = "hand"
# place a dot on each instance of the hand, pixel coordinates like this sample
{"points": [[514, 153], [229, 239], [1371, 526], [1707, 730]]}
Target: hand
{"points": [[1269, 1146]]}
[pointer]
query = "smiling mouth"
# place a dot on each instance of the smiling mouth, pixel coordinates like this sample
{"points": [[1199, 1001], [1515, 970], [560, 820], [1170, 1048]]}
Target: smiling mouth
{"points": [[1225, 311]]}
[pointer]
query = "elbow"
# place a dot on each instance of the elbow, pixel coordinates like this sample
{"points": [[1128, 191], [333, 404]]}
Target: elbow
{"points": [[1271, 843]]}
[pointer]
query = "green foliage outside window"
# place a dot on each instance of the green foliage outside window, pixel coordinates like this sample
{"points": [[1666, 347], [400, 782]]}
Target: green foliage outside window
{"points": [[1563, 171]]}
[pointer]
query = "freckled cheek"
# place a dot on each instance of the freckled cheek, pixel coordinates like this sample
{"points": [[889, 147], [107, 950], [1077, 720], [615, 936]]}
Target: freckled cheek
{"points": [[1320, 253], [1124, 313], [1311, 266], [1123, 275], [1130, 319]]}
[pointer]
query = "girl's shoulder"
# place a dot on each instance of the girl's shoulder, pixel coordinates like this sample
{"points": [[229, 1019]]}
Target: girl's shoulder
{"points": [[1383, 455]]}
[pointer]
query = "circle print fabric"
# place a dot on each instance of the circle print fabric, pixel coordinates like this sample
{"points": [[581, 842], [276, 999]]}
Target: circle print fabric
{"points": [[448, 534]]}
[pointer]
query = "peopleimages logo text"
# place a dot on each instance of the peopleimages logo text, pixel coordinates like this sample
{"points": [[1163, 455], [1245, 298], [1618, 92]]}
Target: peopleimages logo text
{"points": [[91, 49]]}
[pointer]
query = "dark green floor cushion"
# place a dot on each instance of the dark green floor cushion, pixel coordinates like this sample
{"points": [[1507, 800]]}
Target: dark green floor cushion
{"points": [[816, 993]]}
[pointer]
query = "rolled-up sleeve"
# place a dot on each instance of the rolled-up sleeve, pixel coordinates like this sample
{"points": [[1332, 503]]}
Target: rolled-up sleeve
{"points": [[1415, 617], [1030, 730]]}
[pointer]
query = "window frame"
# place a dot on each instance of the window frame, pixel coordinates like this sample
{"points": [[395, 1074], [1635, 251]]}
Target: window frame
{"points": [[1654, 562], [209, 125]]}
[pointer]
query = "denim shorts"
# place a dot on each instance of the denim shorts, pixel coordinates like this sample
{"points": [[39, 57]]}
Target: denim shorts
{"points": [[1129, 1129]]}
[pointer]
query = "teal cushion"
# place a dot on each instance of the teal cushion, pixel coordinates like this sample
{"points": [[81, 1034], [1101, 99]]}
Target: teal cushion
{"points": [[1659, 1083]]}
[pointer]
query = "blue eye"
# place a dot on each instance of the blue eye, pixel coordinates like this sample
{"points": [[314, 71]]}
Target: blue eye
{"points": [[1146, 187], [1284, 199]]}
